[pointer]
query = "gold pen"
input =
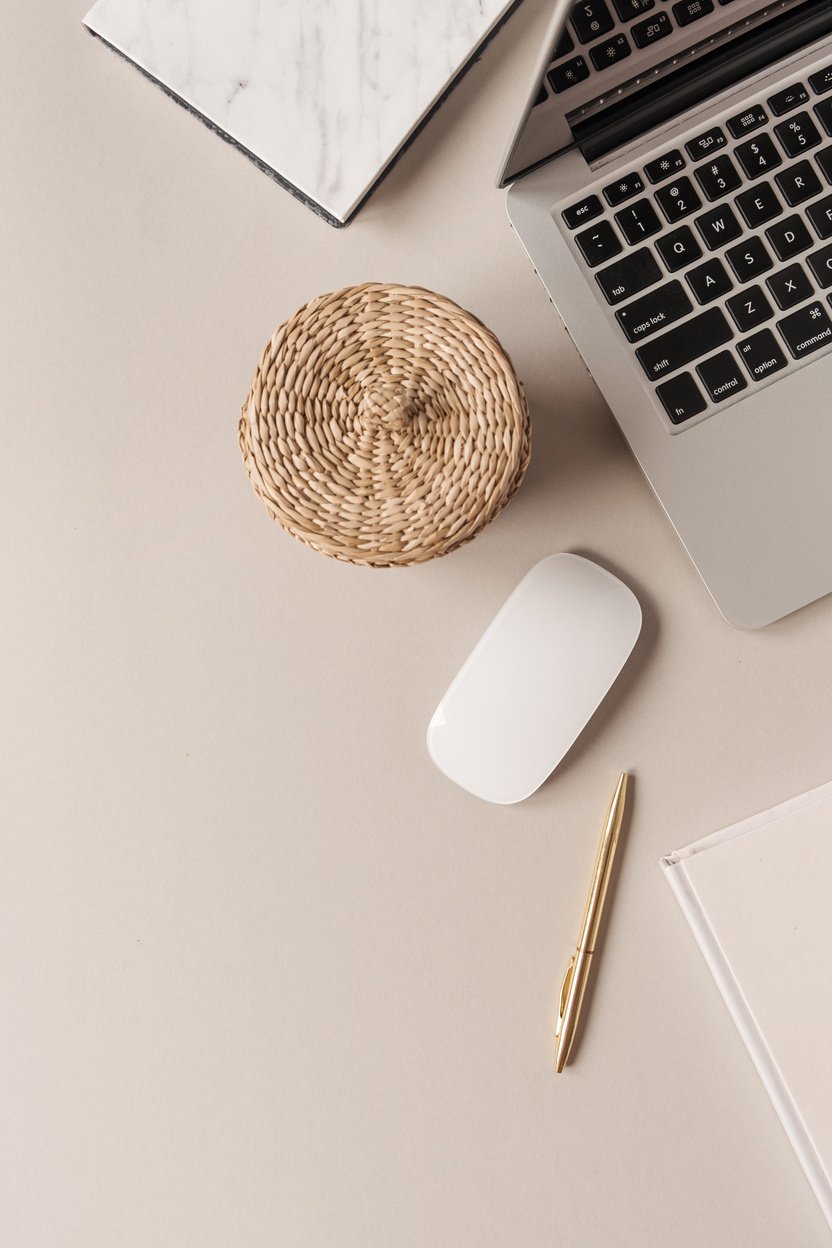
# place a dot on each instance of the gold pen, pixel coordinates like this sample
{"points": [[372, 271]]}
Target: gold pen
{"points": [[577, 974]]}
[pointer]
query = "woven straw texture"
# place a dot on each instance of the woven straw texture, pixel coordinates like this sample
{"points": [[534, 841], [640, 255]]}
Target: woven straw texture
{"points": [[384, 425]]}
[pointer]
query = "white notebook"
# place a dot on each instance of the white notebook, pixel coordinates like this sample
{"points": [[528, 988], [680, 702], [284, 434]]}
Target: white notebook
{"points": [[322, 95], [758, 897]]}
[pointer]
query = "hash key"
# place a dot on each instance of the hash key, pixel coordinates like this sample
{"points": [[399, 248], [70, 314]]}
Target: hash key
{"points": [[719, 177], [638, 221], [598, 243]]}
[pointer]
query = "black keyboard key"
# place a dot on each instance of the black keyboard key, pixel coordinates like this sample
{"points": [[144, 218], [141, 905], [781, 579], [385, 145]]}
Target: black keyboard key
{"points": [[719, 177], [718, 227], [625, 188], [567, 75], [565, 45], [798, 183], [664, 166], [678, 199], [591, 19], [681, 397], [789, 237], [749, 259], [629, 276], [722, 377], [790, 287], [789, 98], [687, 11], [806, 331], [678, 347], [822, 82], [824, 160], [638, 221], [599, 243], [654, 311], [611, 51], [759, 205], [758, 156], [650, 31], [798, 134], [820, 214], [629, 9], [710, 281], [679, 248], [744, 123], [749, 308], [706, 144], [586, 210], [820, 262], [761, 355], [823, 112]]}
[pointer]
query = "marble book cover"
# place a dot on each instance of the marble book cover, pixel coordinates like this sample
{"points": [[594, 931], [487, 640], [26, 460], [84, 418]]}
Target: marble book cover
{"points": [[322, 94]]}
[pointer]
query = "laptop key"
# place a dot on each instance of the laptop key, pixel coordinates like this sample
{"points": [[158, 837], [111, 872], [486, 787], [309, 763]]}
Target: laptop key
{"points": [[823, 112], [790, 287], [705, 144], [629, 9], [654, 311], [625, 188], [789, 98], [761, 355], [651, 30], [679, 248], [718, 227], [820, 214], [820, 262], [638, 221], [687, 11], [721, 377], [759, 205], [718, 178], [710, 281], [627, 277], [599, 243], [577, 214], [567, 75], [758, 156], [806, 331], [591, 19], [798, 183], [678, 199], [749, 309], [798, 134], [677, 347], [610, 52], [744, 123], [824, 160], [822, 82], [789, 238], [664, 166], [681, 398], [749, 259]]}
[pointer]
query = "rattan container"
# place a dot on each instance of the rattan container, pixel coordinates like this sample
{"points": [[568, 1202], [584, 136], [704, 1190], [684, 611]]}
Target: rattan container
{"points": [[384, 425]]}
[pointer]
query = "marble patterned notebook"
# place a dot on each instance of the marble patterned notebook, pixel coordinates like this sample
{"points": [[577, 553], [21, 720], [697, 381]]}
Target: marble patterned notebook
{"points": [[322, 94]]}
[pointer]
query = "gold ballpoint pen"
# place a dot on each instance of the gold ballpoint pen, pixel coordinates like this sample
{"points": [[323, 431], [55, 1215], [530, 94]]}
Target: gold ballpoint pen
{"points": [[577, 974]]}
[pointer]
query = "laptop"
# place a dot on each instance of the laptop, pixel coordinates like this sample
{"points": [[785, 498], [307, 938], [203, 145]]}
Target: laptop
{"points": [[671, 183]]}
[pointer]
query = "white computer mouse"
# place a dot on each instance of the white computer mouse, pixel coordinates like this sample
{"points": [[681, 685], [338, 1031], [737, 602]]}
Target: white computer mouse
{"points": [[534, 679]]}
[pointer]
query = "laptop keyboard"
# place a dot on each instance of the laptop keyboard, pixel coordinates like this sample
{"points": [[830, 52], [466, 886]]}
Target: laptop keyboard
{"points": [[716, 256]]}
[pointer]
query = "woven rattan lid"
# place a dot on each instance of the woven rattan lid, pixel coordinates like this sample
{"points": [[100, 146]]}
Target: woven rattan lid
{"points": [[384, 425]]}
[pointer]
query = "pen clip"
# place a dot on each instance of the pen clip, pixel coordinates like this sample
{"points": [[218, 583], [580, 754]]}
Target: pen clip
{"points": [[564, 992]]}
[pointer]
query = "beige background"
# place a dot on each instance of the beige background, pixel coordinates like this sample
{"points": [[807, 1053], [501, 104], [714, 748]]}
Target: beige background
{"points": [[266, 977]]}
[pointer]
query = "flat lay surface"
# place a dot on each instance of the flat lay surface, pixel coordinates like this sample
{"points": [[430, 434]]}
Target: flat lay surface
{"points": [[266, 975]]}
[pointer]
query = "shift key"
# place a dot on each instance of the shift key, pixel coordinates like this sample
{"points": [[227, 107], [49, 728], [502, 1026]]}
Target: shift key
{"points": [[663, 355]]}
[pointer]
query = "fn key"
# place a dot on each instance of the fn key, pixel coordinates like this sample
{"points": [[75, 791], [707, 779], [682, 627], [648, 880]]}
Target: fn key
{"points": [[681, 398]]}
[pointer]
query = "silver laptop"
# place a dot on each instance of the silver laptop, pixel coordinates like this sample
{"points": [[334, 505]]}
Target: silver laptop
{"points": [[672, 186]]}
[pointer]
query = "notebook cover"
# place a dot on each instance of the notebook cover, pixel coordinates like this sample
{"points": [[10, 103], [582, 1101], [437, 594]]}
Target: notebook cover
{"points": [[757, 897], [322, 96]]}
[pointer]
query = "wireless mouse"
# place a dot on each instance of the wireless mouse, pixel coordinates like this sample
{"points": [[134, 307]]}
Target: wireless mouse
{"points": [[534, 679]]}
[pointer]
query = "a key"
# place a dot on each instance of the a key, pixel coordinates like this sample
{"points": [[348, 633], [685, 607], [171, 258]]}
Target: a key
{"points": [[718, 227], [679, 346], [664, 166], [790, 287], [820, 215], [787, 99], [823, 112], [652, 312], [744, 123], [579, 214], [798, 183], [679, 248], [820, 262], [627, 277], [789, 237], [681, 398], [678, 199], [650, 31], [761, 355], [625, 188], [798, 134], [687, 11], [638, 221], [822, 82], [567, 75], [709, 281], [758, 156], [749, 309], [824, 161], [718, 178], [806, 331], [706, 144], [759, 205], [628, 9], [722, 377], [749, 259], [610, 52], [591, 19]]}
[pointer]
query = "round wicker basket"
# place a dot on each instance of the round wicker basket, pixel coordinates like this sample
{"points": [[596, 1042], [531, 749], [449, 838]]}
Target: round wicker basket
{"points": [[384, 425]]}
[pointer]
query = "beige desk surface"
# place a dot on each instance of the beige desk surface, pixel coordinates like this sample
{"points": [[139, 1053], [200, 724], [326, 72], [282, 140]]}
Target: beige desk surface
{"points": [[266, 977]]}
